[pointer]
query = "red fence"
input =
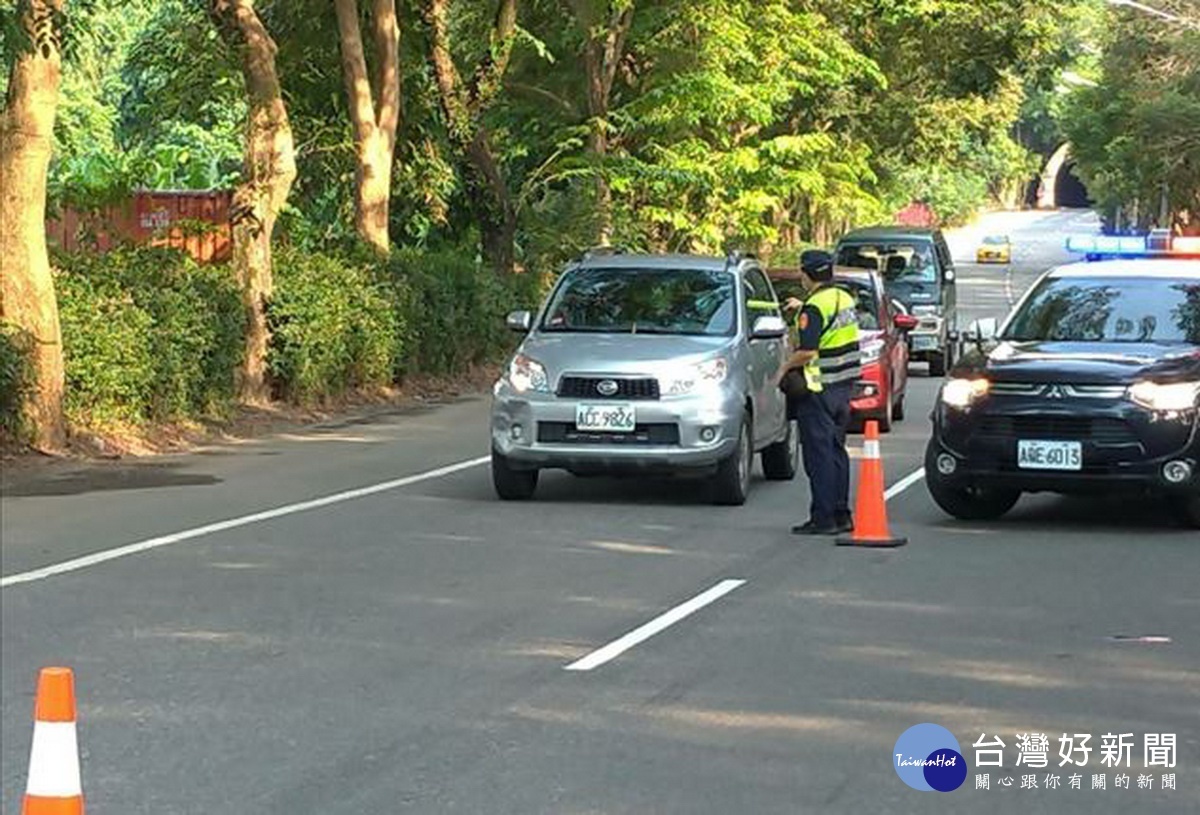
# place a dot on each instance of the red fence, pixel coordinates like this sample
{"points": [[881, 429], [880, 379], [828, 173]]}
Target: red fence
{"points": [[196, 222]]}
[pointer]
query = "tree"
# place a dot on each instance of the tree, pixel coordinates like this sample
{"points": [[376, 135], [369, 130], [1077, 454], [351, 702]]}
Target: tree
{"points": [[605, 24], [26, 143], [463, 104], [374, 111], [268, 171]]}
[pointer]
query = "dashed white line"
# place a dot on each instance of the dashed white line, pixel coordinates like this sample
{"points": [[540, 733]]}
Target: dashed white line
{"points": [[903, 484], [232, 523], [648, 630]]}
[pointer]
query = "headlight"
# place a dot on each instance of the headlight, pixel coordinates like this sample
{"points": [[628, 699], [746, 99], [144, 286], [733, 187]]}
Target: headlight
{"points": [[527, 374], [701, 375], [927, 311], [871, 352], [1176, 396], [960, 393]]}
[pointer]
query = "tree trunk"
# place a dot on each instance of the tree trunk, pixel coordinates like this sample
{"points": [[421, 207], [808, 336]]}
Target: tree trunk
{"points": [[601, 55], [26, 141], [463, 107], [374, 124], [269, 168]]}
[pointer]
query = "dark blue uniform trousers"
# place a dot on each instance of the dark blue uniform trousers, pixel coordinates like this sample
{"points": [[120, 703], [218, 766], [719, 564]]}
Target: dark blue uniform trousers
{"points": [[823, 419]]}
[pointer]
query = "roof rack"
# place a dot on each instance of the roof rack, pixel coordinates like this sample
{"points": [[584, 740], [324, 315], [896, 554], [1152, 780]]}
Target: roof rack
{"points": [[603, 251]]}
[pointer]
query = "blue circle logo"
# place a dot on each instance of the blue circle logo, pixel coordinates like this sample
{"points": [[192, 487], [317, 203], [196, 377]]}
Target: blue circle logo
{"points": [[927, 758]]}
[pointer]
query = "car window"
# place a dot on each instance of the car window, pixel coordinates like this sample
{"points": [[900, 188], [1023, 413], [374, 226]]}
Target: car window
{"points": [[900, 260], [760, 299], [1110, 310], [866, 306], [996, 240], [644, 301]]}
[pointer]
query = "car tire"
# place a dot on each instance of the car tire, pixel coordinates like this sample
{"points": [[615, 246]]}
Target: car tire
{"points": [[781, 460], [886, 415], [1188, 510], [731, 484], [963, 501], [898, 409], [512, 484], [937, 363]]}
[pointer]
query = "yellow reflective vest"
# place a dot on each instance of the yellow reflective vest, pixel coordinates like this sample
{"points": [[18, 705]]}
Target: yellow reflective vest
{"points": [[838, 356]]}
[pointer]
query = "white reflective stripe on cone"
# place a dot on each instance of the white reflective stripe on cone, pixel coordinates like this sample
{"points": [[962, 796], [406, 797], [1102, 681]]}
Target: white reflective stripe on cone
{"points": [[871, 449], [54, 761]]}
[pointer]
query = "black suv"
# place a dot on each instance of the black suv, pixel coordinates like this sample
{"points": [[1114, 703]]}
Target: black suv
{"points": [[918, 271], [1091, 384]]}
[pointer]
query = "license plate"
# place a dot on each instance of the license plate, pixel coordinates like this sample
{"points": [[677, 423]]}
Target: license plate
{"points": [[925, 343], [1049, 455], [612, 418]]}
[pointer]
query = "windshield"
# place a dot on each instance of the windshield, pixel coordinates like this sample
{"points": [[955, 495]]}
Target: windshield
{"points": [[644, 301], [908, 261], [1110, 310], [995, 240]]}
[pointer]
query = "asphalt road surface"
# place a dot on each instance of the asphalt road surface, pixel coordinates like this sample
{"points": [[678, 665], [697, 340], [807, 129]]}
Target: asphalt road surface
{"points": [[328, 622]]}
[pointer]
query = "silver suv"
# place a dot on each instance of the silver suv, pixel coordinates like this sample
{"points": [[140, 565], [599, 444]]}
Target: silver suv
{"points": [[647, 364]]}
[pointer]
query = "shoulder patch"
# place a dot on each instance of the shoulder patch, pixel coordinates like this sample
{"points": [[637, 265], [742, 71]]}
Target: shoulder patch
{"points": [[803, 320]]}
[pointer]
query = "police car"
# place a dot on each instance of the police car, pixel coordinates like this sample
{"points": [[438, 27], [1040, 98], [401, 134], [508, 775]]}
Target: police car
{"points": [[1092, 383]]}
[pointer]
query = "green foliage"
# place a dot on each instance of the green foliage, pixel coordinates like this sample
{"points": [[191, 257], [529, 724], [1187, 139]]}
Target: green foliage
{"points": [[1139, 128], [147, 334], [453, 310], [334, 326], [14, 379]]}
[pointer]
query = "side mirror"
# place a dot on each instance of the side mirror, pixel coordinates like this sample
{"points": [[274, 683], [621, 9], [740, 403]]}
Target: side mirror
{"points": [[520, 321], [769, 327], [905, 322], [981, 331]]}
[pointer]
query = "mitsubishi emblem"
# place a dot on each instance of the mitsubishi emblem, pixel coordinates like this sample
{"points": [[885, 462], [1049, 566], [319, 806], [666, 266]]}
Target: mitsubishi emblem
{"points": [[1055, 392]]}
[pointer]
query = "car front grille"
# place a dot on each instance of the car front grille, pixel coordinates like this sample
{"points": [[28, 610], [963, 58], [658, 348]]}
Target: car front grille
{"points": [[1097, 430], [586, 387], [654, 433]]}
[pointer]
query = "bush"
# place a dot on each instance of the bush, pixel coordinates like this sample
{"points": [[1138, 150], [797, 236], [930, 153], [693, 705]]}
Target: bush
{"points": [[453, 312], [334, 326], [14, 379], [148, 334]]}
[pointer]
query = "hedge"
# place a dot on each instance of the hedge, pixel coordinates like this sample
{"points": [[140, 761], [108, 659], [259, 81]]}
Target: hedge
{"points": [[150, 335]]}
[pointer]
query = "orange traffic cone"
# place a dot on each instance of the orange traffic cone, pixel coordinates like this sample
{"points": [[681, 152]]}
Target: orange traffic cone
{"points": [[54, 786], [870, 507]]}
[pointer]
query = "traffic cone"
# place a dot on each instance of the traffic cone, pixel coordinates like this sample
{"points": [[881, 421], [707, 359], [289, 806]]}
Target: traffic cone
{"points": [[54, 786], [870, 507]]}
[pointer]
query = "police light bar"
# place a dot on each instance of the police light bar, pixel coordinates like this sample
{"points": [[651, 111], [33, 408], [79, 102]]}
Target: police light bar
{"points": [[1158, 244]]}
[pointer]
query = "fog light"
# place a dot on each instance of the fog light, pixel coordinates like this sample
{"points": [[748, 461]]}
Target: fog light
{"points": [[869, 390], [708, 434], [947, 464], [516, 432], [1176, 472]]}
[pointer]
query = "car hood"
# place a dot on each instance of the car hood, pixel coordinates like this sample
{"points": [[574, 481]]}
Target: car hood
{"points": [[647, 354], [1081, 362]]}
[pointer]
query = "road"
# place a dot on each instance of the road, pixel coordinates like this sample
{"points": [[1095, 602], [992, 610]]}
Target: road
{"points": [[403, 648]]}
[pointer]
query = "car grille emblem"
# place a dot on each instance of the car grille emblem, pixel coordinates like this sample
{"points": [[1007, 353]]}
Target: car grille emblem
{"points": [[1055, 392], [606, 387]]}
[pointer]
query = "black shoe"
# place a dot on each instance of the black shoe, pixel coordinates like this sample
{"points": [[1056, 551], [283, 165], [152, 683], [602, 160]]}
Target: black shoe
{"points": [[813, 528], [845, 523]]}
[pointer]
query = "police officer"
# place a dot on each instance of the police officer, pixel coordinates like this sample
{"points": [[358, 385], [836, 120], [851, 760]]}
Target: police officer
{"points": [[828, 357]]}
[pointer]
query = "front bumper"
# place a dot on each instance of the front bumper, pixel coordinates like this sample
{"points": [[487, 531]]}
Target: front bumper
{"points": [[1124, 448], [538, 430]]}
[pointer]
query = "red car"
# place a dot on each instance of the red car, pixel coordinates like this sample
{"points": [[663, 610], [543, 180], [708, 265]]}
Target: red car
{"points": [[882, 322]]}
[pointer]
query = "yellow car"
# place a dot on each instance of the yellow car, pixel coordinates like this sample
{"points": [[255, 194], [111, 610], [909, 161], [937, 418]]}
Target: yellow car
{"points": [[995, 249]]}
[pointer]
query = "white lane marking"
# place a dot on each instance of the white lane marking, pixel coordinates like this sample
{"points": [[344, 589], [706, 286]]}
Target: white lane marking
{"points": [[904, 483], [233, 523], [659, 623]]}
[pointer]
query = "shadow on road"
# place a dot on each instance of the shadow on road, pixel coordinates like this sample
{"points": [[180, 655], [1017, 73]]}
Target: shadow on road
{"points": [[106, 478]]}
